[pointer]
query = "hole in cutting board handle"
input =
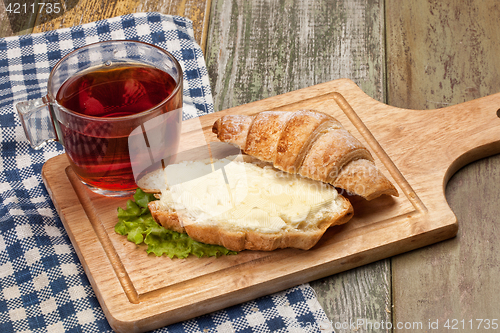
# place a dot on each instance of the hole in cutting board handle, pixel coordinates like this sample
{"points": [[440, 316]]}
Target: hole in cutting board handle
{"points": [[498, 113]]}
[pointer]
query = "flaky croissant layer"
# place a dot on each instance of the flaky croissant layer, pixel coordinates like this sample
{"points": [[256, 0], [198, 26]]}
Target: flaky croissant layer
{"points": [[310, 143]]}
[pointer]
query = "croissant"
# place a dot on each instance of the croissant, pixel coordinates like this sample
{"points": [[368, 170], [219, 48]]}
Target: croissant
{"points": [[310, 143]]}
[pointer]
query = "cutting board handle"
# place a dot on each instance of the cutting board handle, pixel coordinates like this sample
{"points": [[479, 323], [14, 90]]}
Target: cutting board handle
{"points": [[467, 132], [442, 139]]}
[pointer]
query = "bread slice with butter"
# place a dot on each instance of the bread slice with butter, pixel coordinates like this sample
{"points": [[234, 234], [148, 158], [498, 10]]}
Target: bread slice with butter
{"points": [[242, 203]]}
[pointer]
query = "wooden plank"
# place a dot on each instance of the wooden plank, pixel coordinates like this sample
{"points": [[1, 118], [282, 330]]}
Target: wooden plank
{"points": [[16, 23], [359, 294], [263, 48], [85, 11], [439, 54]]}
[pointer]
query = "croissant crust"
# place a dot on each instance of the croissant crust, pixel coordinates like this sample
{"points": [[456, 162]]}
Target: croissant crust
{"points": [[310, 143]]}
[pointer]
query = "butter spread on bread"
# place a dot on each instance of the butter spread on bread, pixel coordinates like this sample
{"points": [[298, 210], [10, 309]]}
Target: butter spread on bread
{"points": [[310, 143], [243, 205]]}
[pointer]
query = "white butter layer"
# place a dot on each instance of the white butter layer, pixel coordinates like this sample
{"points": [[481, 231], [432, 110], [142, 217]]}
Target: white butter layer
{"points": [[244, 196]]}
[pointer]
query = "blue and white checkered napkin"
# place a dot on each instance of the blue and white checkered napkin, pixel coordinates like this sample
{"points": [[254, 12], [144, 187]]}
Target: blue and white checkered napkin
{"points": [[43, 287]]}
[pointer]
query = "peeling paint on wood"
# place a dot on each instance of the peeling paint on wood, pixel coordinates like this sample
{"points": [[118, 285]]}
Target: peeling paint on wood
{"points": [[442, 53], [263, 48]]}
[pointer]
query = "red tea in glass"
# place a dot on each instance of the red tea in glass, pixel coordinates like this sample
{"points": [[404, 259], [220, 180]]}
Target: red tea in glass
{"points": [[116, 107], [98, 148]]}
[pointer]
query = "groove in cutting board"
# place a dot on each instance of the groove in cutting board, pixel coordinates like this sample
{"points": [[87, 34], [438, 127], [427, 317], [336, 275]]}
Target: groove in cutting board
{"points": [[93, 216], [379, 151]]}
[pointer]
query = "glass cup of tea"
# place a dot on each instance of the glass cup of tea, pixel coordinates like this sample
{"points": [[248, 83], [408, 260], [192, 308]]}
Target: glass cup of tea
{"points": [[116, 107]]}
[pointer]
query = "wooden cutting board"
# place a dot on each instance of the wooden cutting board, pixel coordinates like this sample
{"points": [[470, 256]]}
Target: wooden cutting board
{"points": [[417, 150]]}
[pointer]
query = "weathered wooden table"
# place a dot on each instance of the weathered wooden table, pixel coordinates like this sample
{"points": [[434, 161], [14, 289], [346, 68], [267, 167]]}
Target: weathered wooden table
{"points": [[414, 54]]}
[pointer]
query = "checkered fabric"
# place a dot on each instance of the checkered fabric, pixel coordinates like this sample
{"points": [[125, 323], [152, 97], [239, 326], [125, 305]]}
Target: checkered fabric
{"points": [[43, 287]]}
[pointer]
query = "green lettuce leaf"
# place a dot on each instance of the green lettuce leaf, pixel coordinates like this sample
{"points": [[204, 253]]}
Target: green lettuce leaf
{"points": [[136, 222]]}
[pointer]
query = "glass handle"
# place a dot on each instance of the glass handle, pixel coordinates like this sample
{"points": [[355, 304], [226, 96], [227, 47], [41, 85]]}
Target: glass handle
{"points": [[37, 122]]}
